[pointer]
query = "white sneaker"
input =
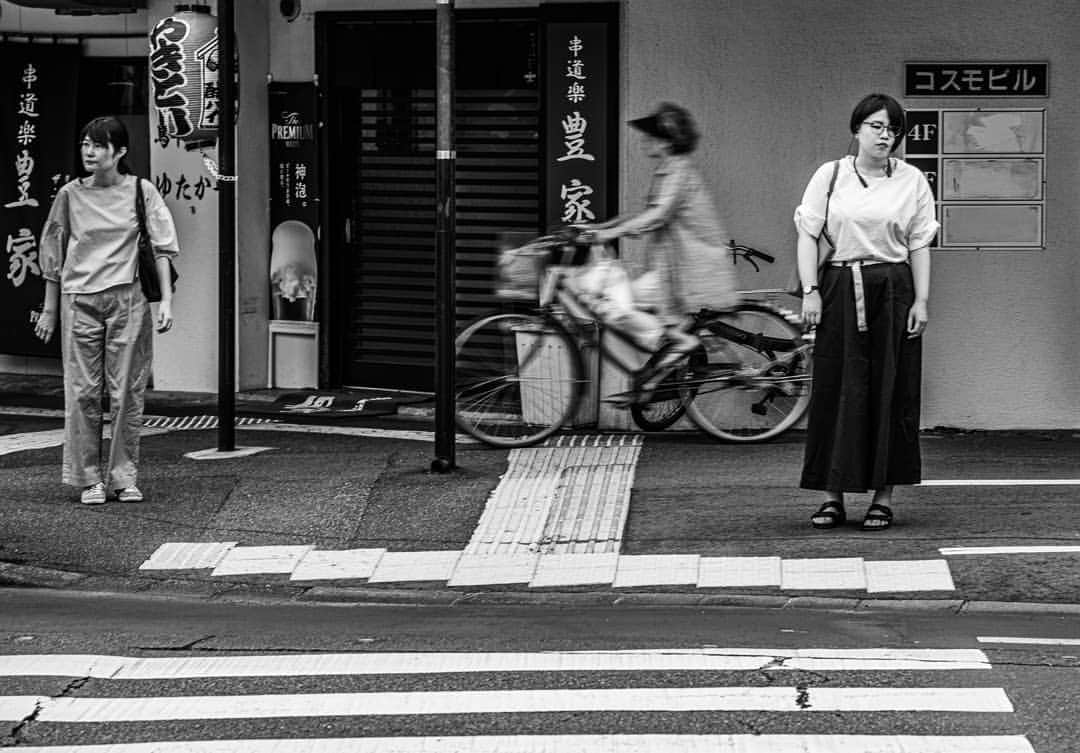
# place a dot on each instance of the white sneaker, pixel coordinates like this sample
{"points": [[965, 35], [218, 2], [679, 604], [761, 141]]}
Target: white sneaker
{"points": [[93, 494], [129, 494]]}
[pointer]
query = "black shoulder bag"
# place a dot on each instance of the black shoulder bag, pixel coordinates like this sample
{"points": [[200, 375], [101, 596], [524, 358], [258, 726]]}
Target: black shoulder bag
{"points": [[147, 269]]}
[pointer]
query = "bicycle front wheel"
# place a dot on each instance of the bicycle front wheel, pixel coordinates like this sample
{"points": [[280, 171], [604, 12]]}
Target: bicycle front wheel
{"points": [[518, 379], [755, 384]]}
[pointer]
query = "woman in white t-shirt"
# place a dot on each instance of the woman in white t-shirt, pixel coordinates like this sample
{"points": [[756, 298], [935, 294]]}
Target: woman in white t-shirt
{"points": [[869, 305], [89, 259]]}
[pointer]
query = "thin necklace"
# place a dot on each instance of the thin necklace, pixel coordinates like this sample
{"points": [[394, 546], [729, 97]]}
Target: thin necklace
{"points": [[855, 166]]}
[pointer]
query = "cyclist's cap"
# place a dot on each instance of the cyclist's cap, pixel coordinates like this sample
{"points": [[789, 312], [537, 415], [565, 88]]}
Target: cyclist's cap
{"points": [[650, 124]]}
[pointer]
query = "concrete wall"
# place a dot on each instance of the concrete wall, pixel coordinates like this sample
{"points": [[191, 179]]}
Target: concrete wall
{"points": [[773, 83]]}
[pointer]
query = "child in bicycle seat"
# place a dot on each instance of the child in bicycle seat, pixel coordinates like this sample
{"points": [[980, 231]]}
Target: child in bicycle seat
{"points": [[685, 251]]}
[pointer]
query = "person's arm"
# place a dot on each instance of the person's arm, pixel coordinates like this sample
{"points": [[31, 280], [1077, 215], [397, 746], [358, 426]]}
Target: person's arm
{"points": [[164, 273], [807, 259], [46, 323], [661, 206], [163, 237], [920, 273]]}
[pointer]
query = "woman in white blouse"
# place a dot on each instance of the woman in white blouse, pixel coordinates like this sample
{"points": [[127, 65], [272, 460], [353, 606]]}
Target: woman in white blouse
{"points": [[869, 304], [89, 259]]}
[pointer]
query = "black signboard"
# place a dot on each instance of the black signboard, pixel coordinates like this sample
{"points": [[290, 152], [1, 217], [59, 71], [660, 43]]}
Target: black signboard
{"points": [[922, 132], [579, 97], [294, 184], [294, 200], [976, 79], [38, 84]]}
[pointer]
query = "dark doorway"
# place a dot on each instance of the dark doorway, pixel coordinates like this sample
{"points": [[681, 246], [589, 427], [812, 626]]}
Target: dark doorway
{"points": [[379, 79]]}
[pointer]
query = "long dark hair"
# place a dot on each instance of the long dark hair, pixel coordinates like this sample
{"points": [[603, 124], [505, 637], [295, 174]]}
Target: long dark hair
{"points": [[108, 129]]}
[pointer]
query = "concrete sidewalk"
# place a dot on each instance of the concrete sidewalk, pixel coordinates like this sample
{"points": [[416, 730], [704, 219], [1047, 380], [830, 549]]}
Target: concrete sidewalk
{"points": [[346, 510]]}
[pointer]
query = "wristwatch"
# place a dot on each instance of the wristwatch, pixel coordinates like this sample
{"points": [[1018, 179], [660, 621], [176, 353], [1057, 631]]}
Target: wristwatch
{"points": [[808, 289]]}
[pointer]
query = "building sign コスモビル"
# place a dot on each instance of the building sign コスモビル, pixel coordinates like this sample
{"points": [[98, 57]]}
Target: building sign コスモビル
{"points": [[976, 79], [37, 150]]}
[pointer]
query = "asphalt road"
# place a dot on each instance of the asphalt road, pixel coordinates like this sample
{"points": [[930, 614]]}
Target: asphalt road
{"points": [[1040, 682]]}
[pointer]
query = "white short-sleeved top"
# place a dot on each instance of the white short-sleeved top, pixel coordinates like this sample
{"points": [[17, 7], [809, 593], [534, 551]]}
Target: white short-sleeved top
{"points": [[90, 239], [884, 221]]}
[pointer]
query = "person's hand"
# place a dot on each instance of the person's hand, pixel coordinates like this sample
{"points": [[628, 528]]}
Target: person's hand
{"points": [[595, 235], [811, 308], [45, 326], [916, 319], [164, 317]]}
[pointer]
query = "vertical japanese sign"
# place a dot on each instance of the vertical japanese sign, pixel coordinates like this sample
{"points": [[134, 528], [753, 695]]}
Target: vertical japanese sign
{"points": [[294, 202], [579, 101], [37, 144]]}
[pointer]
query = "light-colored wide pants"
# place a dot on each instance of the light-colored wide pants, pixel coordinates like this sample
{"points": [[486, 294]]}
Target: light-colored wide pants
{"points": [[106, 342]]}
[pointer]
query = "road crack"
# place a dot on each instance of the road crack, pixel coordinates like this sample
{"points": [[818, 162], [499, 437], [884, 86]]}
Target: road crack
{"points": [[17, 735]]}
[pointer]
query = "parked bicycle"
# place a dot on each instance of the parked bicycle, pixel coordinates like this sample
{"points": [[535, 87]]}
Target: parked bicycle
{"points": [[521, 373]]}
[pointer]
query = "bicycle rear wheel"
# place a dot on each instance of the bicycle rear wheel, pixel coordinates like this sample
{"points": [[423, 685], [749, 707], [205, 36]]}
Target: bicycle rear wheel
{"points": [[518, 379], [756, 382]]}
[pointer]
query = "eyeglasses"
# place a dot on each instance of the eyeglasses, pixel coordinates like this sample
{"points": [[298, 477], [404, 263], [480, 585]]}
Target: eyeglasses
{"points": [[877, 127]]}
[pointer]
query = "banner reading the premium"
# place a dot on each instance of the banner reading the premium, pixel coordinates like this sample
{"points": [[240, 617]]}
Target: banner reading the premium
{"points": [[579, 100], [38, 84], [294, 201]]}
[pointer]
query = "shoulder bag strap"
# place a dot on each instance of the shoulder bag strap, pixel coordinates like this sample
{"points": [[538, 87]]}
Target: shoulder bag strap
{"points": [[828, 198], [140, 207]]}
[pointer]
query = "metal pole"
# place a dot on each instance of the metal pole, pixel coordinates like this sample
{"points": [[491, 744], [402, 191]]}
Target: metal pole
{"points": [[445, 282], [226, 230]]}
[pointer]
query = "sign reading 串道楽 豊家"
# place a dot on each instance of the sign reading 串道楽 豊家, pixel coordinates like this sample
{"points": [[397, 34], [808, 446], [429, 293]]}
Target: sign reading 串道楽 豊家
{"points": [[976, 79], [37, 152], [579, 97]]}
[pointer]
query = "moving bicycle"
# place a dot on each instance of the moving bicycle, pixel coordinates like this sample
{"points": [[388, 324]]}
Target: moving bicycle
{"points": [[521, 373]]}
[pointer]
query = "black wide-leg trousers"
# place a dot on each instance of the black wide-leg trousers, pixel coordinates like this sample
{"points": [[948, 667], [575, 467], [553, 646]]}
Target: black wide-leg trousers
{"points": [[863, 425]]}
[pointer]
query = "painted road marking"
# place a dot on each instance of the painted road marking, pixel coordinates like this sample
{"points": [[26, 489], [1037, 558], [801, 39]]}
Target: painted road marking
{"points": [[655, 743], [252, 560], [739, 572], [833, 573], [555, 570], [418, 703], [455, 662], [656, 570], [1030, 641], [908, 575], [188, 555], [358, 431], [464, 568], [401, 567], [1004, 482], [31, 440], [952, 551], [346, 564]]}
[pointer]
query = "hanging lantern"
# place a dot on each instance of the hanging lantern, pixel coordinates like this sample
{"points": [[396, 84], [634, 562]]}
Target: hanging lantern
{"points": [[184, 75]]}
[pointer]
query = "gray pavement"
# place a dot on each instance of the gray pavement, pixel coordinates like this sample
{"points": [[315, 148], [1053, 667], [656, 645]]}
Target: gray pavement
{"points": [[370, 488]]}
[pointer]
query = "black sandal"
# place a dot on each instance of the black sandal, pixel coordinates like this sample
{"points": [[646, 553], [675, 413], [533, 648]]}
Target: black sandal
{"points": [[829, 515], [880, 514]]}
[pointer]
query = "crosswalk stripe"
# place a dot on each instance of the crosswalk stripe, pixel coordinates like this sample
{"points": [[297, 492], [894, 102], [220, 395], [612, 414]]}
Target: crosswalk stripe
{"points": [[1028, 641], [297, 665], [582, 744], [953, 551], [443, 702]]}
